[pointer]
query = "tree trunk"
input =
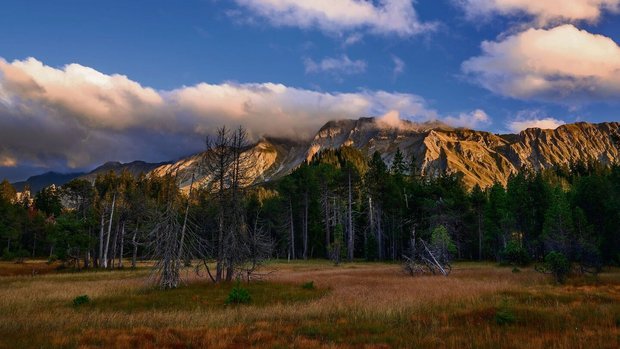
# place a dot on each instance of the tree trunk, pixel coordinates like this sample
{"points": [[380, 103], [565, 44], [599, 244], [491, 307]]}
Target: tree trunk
{"points": [[379, 233], [292, 242], [114, 246], [87, 259], [120, 255], [107, 244], [326, 218], [134, 255], [100, 257], [350, 244], [305, 227], [182, 242], [479, 235]]}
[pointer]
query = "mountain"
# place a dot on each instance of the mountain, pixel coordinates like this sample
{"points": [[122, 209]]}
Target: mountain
{"points": [[482, 157], [135, 168], [270, 158], [36, 183]]}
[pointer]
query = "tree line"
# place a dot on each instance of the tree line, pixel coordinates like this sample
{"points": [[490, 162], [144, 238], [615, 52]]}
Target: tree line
{"points": [[341, 205]]}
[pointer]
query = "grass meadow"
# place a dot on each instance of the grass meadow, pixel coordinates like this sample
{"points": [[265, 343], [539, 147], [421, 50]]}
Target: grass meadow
{"points": [[355, 305]]}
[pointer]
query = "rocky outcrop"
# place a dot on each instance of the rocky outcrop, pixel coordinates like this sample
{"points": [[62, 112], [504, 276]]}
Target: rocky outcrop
{"points": [[482, 157]]}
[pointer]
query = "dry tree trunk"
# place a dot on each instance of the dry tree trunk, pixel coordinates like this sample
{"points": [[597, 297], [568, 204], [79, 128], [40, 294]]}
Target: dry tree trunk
{"points": [[120, 256], [114, 246], [350, 244], [100, 258], [183, 229], [305, 227], [107, 244], [134, 255], [292, 242]]}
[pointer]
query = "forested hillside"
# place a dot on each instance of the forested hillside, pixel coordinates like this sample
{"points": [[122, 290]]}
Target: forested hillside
{"points": [[339, 202]]}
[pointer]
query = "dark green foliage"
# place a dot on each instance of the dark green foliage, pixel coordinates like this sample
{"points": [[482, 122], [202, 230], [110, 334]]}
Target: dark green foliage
{"points": [[504, 315], [558, 265], [81, 300], [238, 295], [515, 254], [573, 210], [308, 285]]}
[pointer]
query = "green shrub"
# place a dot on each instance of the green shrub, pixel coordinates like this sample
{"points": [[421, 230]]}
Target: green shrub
{"points": [[504, 315], [308, 285], [516, 270], [238, 295], [515, 254], [558, 265], [7, 255], [81, 300]]}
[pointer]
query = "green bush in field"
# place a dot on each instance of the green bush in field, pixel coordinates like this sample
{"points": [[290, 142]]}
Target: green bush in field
{"points": [[81, 300], [308, 285], [238, 295], [504, 315], [515, 254], [558, 265], [52, 258], [7, 255]]}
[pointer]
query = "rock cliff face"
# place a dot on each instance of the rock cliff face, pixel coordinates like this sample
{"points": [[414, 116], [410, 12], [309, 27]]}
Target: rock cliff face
{"points": [[482, 157]]}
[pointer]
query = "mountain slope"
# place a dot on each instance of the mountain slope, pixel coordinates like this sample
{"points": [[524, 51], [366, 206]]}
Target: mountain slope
{"points": [[36, 183], [135, 168], [482, 157]]}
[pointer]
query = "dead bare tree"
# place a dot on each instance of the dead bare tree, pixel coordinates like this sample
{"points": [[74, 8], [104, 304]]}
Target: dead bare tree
{"points": [[228, 162], [425, 258], [171, 237]]}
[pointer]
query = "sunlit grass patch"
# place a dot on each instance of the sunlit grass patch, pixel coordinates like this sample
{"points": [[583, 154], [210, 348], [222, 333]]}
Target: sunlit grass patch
{"points": [[203, 295]]}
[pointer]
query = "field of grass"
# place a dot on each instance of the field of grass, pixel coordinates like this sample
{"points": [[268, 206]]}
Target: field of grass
{"points": [[359, 305]]}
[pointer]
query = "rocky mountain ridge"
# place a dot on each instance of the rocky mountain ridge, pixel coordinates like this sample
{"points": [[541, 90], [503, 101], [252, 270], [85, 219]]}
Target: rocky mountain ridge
{"points": [[483, 157]]}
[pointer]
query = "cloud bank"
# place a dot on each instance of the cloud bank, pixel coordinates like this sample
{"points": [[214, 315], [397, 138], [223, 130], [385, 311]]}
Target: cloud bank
{"points": [[337, 65], [336, 16], [563, 65], [78, 117], [542, 11]]}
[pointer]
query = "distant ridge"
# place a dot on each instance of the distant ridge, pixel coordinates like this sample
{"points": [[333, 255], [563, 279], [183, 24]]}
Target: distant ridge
{"points": [[38, 182], [483, 158], [135, 168]]}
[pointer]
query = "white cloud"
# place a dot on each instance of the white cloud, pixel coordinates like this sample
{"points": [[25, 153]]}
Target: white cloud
{"points": [[474, 119], [399, 66], [75, 116], [353, 39], [517, 126], [335, 16], [336, 65], [563, 64], [543, 11]]}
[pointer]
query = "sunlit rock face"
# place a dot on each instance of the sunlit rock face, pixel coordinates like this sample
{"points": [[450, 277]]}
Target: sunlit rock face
{"points": [[482, 157]]}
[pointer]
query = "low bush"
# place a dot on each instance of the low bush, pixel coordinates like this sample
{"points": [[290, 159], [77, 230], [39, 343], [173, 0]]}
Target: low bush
{"points": [[238, 295], [515, 254], [81, 300], [504, 315], [558, 265], [308, 285]]}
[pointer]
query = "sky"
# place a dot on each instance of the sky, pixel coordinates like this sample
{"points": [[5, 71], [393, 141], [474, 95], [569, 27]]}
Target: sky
{"points": [[83, 82]]}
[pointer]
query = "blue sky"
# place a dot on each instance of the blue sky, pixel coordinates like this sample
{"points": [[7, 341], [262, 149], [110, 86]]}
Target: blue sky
{"points": [[145, 71]]}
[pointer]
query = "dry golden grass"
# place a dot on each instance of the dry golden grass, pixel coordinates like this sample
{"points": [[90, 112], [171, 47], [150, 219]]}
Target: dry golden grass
{"points": [[367, 305]]}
